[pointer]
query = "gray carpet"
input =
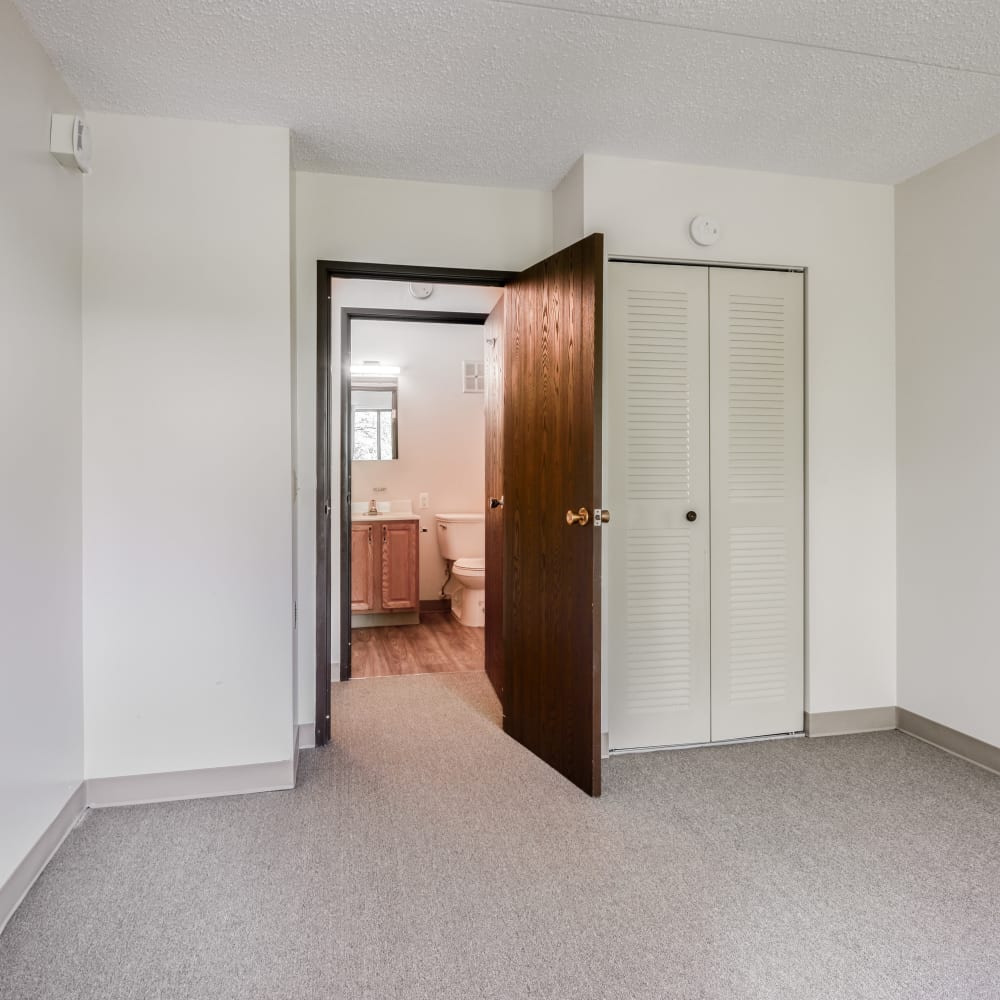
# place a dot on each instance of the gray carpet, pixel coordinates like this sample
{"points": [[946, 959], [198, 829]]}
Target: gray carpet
{"points": [[425, 855]]}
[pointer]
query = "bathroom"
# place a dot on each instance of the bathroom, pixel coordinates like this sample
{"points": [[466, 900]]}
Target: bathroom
{"points": [[417, 449]]}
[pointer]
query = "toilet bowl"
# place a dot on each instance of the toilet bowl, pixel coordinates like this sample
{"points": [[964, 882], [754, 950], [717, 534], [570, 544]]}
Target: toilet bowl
{"points": [[462, 541], [468, 604]]}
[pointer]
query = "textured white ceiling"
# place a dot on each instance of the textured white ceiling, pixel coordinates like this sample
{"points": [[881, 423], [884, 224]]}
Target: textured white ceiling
{"points": [[504, 92]]}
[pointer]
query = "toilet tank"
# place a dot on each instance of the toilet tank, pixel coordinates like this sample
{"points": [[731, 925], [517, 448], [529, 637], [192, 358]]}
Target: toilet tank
{"points": [[461, 536]]}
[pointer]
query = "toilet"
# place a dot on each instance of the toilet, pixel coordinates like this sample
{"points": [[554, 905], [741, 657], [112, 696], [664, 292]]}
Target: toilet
{"points": [[462, 540]]}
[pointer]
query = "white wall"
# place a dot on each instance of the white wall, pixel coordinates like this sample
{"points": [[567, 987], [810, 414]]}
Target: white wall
{"points": [[187, 494], [948, 427], [384, 221], [568, 207], [41, 696], [441, 429], [843, 233]]}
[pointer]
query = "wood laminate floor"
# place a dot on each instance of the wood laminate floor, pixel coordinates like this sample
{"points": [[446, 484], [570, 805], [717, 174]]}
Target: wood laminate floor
{"points": [[438, 645]]}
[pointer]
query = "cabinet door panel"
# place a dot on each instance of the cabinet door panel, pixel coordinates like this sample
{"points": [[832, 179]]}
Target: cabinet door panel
{"points": [[362, 567], [656, 388], [400, 570], [757, 502]]}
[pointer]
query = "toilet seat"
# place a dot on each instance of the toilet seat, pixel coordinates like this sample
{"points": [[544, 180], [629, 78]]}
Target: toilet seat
{"points": [[470, 566]]}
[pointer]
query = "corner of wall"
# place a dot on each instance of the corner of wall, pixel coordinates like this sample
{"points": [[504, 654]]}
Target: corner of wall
{"points": [[567, 207]]}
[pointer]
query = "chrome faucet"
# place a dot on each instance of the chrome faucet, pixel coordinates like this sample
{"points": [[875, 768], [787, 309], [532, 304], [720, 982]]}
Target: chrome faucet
{"points": [[372, 506]]}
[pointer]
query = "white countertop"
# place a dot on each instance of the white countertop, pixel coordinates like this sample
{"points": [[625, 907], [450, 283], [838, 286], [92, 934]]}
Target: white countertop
{"points": [[384, 516]]}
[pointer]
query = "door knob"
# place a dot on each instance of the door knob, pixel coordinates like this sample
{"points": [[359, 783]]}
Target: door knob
{"points": [[581, 517], [494, 503], [692, 515]]}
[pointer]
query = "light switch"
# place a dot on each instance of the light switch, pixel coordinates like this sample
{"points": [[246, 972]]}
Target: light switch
{"points": [[425, 501]]}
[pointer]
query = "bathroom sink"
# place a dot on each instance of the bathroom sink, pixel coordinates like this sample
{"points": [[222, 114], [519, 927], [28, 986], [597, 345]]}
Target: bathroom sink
{"points": [[385, 516], [388, 510]]}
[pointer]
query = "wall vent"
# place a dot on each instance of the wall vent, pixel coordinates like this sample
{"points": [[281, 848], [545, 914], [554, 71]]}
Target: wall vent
{"points": [[473, 376]]}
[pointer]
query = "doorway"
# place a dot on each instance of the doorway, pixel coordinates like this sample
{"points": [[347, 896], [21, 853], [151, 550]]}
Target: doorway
{"points": [[546, 602], [412, 449], [326, 336]]}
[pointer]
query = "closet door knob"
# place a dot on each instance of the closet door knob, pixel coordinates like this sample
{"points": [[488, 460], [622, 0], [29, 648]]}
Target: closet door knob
{"points": [[691, 515]]}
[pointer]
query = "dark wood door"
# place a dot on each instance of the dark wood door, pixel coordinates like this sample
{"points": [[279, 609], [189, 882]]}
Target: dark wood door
{"points": [[362, 567], [551, 467], [494, 495], [400, 570]]}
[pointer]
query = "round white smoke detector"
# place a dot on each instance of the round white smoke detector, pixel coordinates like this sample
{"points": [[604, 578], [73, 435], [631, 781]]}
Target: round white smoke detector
{"points": [[705, 231]]}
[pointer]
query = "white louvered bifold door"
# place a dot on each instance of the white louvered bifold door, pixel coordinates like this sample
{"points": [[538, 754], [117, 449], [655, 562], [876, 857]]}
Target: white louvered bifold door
{"points": [[656, 392], [757, 502]]}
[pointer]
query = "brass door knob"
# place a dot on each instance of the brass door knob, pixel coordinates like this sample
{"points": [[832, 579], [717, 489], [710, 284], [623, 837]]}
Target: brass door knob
{"points": [[582, 516]]}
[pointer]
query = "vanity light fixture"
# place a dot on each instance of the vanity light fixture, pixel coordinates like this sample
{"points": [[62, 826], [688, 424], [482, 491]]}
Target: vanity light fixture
{"points": [[374, 368]]}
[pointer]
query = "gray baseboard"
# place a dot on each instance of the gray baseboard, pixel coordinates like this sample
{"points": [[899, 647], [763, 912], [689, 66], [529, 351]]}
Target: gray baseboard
{"points": [[241, 779], [23, 877], [857, 720], [951, 740], [307, 735]]}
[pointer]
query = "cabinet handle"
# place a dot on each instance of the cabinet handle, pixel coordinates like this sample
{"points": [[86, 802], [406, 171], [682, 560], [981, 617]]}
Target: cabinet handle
{"points": [[385, 534]]}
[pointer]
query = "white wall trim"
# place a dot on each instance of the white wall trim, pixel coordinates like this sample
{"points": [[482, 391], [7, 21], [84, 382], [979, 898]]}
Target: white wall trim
{"points": [[168, 786], [307, 735], [855, 720], [13, 891]]}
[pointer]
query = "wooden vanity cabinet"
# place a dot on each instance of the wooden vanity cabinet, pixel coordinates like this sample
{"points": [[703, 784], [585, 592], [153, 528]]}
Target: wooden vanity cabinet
{"points": [[400, 573], [363, 567], [385, 567]]}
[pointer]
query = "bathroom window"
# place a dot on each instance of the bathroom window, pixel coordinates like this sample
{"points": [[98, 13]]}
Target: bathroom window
{"points": [[373, 416]]}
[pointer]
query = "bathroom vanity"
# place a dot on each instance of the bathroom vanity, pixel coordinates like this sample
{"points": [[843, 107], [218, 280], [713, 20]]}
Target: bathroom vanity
{"points": [[385, 569]]}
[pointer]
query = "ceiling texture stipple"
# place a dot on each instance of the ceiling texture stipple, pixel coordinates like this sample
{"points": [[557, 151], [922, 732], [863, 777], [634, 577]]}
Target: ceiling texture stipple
{"points": [[512, 92]]}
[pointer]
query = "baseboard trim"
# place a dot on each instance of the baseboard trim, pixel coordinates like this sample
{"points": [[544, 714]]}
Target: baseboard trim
{"points": [[13, 891], [385, 619], [975, 751], [855, 720], [307, 735], [209, 782], [437, 606]]}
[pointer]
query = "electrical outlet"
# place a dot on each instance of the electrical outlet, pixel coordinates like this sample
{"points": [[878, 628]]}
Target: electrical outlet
{"points": [[425, 501]]}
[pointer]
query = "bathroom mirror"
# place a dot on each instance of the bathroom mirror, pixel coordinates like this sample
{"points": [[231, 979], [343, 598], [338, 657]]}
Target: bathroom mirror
{"points": [[373, 421]]}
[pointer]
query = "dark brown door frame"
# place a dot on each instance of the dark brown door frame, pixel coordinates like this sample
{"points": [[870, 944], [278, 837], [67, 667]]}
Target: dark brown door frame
{"points": [[326, 270]]}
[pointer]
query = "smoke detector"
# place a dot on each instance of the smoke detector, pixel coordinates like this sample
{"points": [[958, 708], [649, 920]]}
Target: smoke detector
{"points": [[705, 231]]}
